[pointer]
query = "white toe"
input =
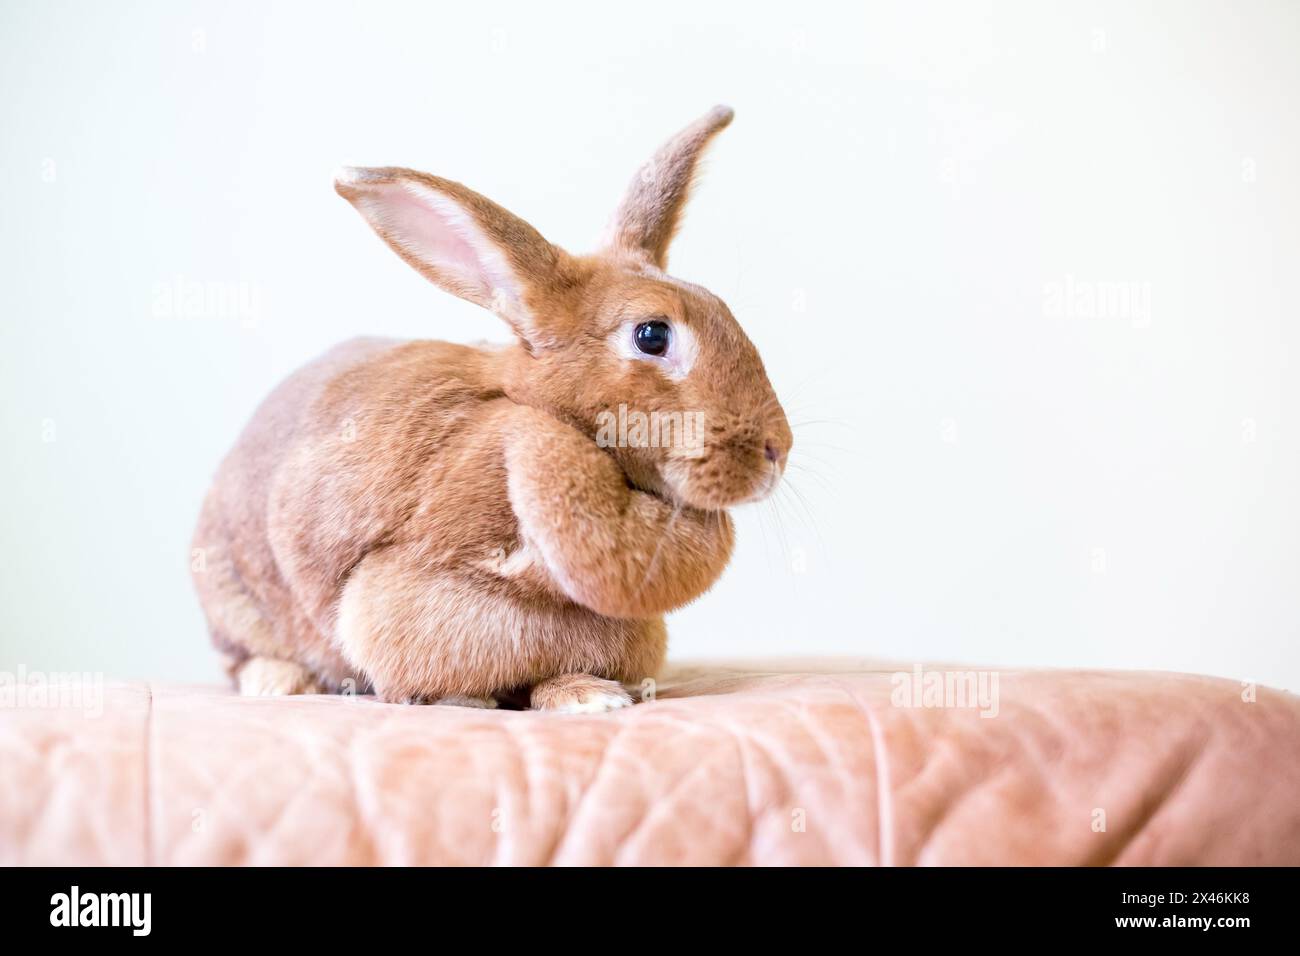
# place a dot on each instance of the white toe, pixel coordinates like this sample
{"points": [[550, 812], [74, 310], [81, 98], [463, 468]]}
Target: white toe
{"points": [[595, 702]]}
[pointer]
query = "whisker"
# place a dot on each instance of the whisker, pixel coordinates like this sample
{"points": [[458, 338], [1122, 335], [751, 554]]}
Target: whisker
{"points": [[814, 475], [809, 422], [804, 455], [787, 485], [780, 532], [654, 558]]}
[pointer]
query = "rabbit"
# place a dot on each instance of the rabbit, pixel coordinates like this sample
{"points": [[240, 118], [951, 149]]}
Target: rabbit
{"points": [[439, 523]]}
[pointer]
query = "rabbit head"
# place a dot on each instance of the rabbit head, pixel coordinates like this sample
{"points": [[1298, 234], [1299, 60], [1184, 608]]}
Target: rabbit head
{"points": [[653, 368]]}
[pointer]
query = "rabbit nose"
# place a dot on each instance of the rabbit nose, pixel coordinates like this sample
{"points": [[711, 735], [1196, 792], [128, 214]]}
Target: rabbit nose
{"points": [[772, 451]]}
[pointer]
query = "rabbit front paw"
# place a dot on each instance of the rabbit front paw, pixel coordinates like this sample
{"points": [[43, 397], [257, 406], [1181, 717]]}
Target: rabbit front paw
{"points": [[270, 677], [578, 694]]}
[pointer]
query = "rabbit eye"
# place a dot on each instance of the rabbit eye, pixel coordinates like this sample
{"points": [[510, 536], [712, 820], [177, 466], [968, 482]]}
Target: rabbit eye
{"points": [[652, 337]]}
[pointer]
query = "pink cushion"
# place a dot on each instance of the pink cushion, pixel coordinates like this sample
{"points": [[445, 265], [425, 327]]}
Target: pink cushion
{"points": [[804, 763]]}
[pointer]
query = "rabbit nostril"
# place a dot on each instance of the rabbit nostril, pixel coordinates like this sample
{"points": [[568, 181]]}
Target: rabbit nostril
{"points": [[771, 452]]}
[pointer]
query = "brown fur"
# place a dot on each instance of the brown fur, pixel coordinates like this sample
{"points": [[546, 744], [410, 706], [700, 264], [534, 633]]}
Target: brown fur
{"points": [[435, 520]]}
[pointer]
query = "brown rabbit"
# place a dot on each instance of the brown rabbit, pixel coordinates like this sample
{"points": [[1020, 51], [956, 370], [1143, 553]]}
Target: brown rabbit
{"points": [[445, 523]]}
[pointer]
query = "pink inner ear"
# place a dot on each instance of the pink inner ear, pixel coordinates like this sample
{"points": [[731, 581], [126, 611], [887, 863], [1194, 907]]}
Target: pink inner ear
{"points": [[437, 232]]}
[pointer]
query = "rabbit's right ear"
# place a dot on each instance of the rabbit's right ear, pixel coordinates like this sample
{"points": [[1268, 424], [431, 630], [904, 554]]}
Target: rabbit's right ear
{"points": [[457, 239], [651, 210]]}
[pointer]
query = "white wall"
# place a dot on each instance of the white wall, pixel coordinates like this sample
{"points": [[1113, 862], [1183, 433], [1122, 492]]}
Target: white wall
{"points": [[984, 472]]}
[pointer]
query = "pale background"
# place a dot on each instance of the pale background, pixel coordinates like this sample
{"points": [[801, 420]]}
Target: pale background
{"points": [[986, 472]]}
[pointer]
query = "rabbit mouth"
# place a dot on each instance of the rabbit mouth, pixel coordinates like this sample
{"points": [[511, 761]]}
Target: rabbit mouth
{"points": [[715, 486], [766, 485]]}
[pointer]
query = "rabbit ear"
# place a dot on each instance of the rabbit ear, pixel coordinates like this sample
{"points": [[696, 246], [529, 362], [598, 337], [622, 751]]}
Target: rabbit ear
{"points": [[456, 238], [651, 209]]}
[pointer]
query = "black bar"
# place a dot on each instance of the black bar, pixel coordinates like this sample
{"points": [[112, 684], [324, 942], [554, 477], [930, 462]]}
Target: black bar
{"points": [[244, 905]]}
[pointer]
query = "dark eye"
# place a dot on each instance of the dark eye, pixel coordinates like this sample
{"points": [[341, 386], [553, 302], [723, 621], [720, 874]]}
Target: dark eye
{"points": [[652, 337]]}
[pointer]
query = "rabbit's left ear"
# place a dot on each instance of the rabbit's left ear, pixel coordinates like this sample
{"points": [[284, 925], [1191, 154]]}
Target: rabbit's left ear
{"points": [[651, 209], [457, 239]]}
